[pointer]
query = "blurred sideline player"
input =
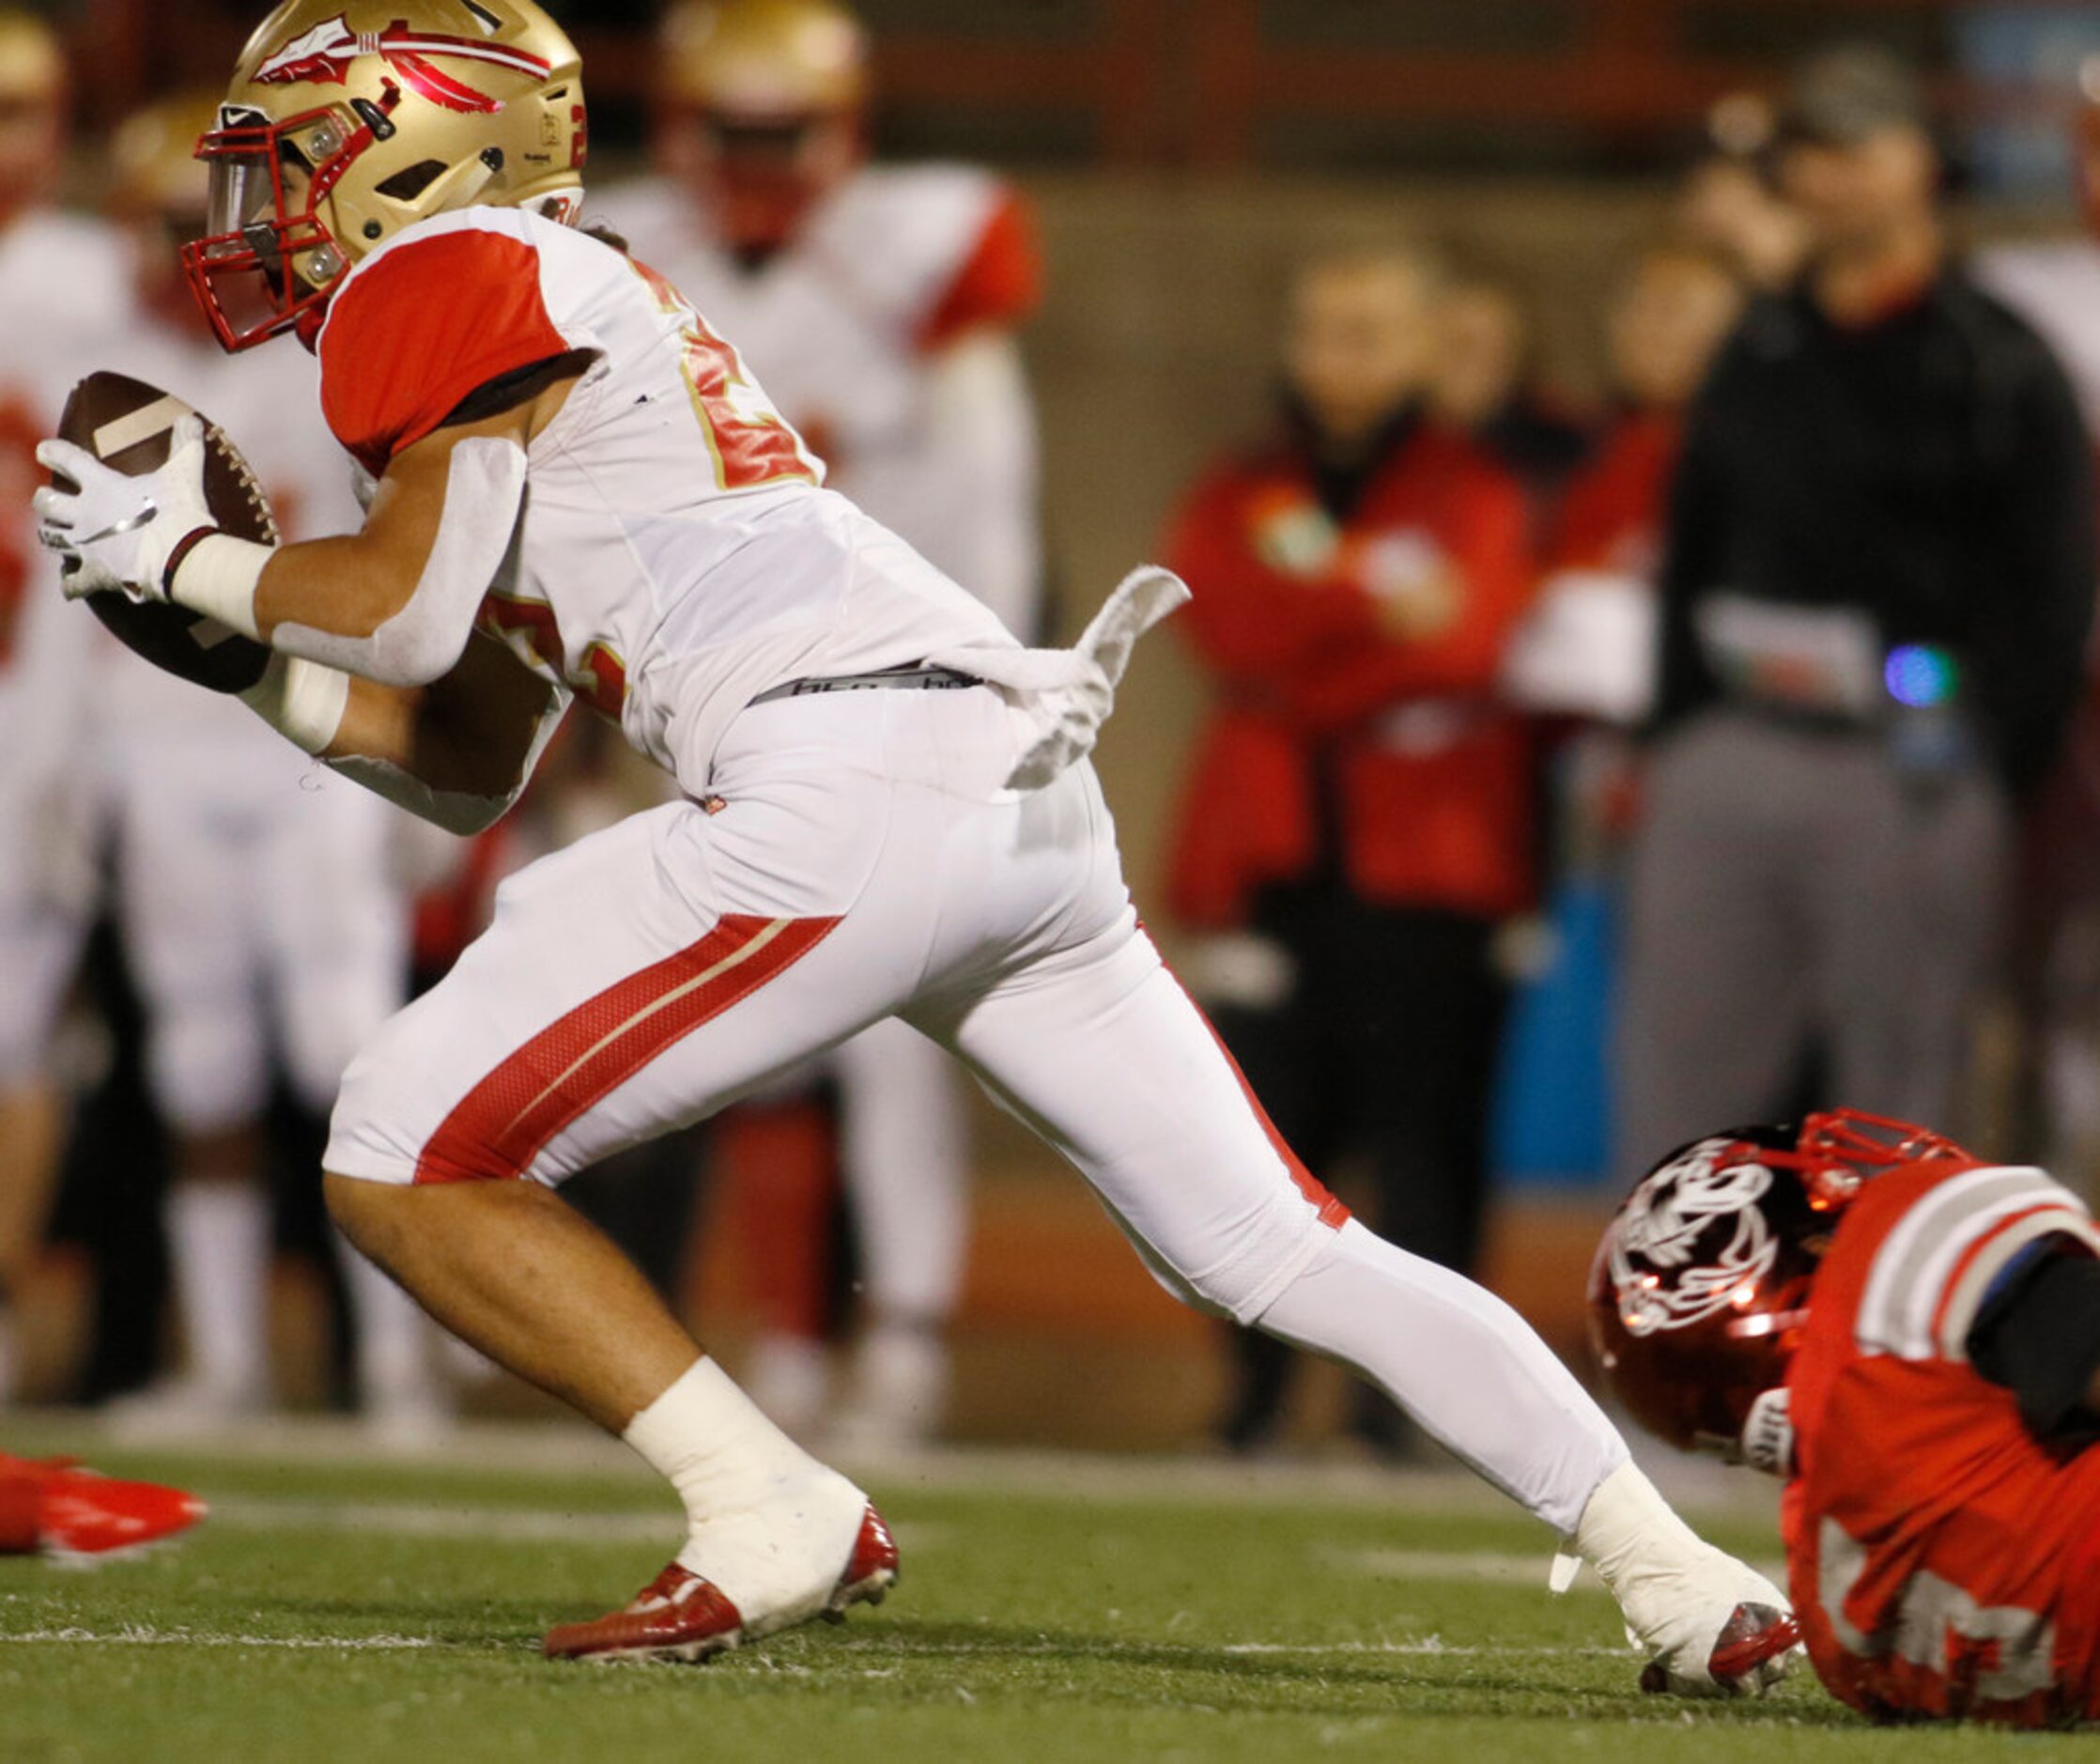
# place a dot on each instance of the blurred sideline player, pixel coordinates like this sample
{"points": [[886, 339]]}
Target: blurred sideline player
{"points": [[887, 810], [1909, 1337], [63, 302], [878, 305], [257, 894]]}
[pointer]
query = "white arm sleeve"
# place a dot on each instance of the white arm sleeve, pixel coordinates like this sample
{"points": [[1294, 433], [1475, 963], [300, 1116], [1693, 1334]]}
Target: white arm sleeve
{"points": [[485, 494]]}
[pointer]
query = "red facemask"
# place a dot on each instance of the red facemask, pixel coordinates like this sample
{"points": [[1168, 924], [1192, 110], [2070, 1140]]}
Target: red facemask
{"points": [[244, 271]]}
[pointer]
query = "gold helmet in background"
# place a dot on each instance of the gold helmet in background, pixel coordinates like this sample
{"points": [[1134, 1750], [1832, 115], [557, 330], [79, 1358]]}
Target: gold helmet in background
{"points": [[153, 169], [763, 59], [760, 108], [32, 63], [348, 122]]}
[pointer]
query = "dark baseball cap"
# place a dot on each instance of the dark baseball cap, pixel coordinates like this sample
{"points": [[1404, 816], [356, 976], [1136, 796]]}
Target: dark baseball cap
{"points": [[1846, 96]]}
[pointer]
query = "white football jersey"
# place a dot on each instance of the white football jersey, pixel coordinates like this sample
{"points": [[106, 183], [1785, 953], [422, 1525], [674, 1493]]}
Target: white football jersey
{"points": [[845, 326], [677, 553]]}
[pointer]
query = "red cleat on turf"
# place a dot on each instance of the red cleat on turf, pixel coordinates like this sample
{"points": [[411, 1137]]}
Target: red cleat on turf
{"points": [[54, 1506], [681, 1615]]}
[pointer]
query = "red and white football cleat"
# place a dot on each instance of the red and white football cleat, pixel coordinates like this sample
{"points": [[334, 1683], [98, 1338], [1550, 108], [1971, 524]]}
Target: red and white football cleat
{"points": [[681, 1615], [54, 1506]]}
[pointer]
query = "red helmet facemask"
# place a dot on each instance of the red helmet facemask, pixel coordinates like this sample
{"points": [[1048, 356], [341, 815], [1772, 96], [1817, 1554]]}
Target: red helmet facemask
{"points": [[1700, 1290], [267, 262]]}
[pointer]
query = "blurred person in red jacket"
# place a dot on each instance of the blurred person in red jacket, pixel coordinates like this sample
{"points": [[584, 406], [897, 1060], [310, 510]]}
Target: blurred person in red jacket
{"points": [[1356, 825], [1586, 649], [1485, 381]]}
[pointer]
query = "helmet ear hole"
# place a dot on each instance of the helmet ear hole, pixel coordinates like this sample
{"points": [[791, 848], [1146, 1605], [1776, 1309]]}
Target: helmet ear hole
{"points": [[410, 182]]}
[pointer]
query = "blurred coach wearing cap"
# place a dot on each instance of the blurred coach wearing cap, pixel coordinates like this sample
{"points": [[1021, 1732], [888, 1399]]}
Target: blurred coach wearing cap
{"points": [[1877, 581]]}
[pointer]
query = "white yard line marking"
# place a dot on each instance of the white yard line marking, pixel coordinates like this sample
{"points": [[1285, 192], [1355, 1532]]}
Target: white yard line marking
{"points": [[1429, 1647]]}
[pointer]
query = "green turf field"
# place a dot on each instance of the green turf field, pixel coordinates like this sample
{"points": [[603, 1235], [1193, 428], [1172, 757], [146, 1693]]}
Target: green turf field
{"points": [[329, 1610]]}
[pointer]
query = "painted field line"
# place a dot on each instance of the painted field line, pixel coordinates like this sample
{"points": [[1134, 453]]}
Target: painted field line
{"points": [[1144, 1652]]}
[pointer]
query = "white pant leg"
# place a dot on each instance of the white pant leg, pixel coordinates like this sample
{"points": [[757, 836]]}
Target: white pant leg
{"points": [[1102, 1053], [40, 948], [191, 901], [336, 925], [906, 1146]]}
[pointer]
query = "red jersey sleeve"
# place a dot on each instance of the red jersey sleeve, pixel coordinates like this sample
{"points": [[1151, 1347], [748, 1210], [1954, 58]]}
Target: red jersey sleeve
{"points": [[1000, 283], [420, 328]]}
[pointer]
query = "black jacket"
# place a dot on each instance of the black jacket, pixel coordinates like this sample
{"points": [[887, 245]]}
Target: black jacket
{"points": [[1931, 470]]}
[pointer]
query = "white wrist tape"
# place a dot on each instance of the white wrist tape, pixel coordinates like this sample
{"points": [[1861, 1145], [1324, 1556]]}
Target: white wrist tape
{"points": [[301, 700], [218, 579], [485, 492]]}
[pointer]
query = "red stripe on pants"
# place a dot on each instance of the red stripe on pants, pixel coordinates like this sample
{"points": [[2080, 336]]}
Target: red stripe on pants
{"points": [[507, 1120]]}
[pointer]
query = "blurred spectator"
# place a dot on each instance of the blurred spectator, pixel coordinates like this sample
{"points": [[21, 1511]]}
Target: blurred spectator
{"points": [[1484, 382], [1587, 647], [1877, 583], [879, 305], [1357, 823], [1729, 201]]}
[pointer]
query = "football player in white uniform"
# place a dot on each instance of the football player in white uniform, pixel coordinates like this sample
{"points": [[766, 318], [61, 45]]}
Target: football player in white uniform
{"points": [[878, 305], [256, 895], [888, 812], [63, 302]]}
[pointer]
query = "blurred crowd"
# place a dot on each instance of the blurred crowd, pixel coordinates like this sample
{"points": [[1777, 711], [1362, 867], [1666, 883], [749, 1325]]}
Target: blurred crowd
{"points": [[1573, 776]]}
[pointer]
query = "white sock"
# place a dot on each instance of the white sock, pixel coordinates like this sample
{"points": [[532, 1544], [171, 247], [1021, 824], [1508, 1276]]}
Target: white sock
{"points": [[1468, 1370], [220, 1235], [390, 1334], [1627, 1529], [766, 1522]]}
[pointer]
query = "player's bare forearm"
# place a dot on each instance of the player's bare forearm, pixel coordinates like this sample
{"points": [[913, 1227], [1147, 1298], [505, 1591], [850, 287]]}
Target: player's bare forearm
{"points": [[473, 734]]}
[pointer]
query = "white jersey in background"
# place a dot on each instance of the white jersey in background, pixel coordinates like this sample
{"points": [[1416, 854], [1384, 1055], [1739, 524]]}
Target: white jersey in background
{"points": [[61, 305], [882, 331]]}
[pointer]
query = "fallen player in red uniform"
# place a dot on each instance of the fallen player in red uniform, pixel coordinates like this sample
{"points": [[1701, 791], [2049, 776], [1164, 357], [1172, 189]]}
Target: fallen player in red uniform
{"points": [[1911, 1337], [52, 1506]]}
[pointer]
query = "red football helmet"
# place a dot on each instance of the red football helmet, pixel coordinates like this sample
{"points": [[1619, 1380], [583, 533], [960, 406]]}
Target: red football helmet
{"points": [[1702, 1283]]}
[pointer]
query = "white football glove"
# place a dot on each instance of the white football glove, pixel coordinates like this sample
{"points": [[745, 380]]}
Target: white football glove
{"points": [[124, 529]]}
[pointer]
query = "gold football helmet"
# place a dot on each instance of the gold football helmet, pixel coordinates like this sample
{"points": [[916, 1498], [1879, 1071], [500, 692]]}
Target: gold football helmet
{"points": [[760, 107], [346, 122]]}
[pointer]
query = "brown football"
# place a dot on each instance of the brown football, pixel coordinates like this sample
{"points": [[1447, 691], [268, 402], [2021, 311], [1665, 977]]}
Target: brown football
{"points": [[126, 424]]}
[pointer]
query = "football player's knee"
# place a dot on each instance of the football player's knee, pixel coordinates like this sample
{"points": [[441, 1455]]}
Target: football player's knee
{"points": [[1244, 1268], [208, 1064]]}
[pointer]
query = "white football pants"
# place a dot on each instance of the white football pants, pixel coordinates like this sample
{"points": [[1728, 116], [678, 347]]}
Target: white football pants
{"points": [[863, 861]]}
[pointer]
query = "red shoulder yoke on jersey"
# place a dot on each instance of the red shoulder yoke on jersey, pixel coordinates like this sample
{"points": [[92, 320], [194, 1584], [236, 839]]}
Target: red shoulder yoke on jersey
{"points": [[417, 329], [999, 286]]}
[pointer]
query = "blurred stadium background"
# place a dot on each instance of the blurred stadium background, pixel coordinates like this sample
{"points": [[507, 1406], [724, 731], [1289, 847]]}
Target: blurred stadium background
{"points": [[1184, 158]]}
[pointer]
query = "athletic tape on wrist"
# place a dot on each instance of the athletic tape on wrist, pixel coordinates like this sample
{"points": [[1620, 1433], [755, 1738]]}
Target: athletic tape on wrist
{"points": [[302, 701]]}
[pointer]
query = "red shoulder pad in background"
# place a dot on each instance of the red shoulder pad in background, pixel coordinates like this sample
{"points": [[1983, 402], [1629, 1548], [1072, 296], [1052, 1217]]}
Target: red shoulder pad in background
{"points": [[1001, 284], [412, 334]]}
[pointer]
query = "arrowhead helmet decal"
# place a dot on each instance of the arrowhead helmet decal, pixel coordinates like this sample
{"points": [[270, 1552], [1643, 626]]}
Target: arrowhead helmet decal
{"points": [[322, 56]]}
